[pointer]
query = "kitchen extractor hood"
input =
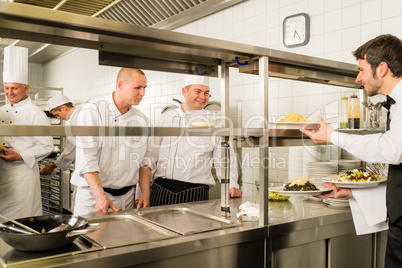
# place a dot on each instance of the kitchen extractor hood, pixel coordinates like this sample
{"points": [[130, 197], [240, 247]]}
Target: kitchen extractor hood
{"points": [[159, 14], [123, 44]]}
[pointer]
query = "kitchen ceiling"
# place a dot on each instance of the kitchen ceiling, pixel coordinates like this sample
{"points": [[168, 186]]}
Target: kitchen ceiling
{"points": [[162, 14]]}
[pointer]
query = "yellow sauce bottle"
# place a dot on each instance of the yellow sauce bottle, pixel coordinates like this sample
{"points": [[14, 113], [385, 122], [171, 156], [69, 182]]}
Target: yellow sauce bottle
{"points": [[343, 112]]}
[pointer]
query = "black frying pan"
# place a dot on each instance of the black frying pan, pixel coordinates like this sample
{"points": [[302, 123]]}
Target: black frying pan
{"points": [[46, 241]]}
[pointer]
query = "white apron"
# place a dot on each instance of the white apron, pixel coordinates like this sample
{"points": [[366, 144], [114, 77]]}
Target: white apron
{"points": [[20, 190]]}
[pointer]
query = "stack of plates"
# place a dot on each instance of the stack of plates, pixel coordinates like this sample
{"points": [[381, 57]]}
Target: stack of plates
{"points": [[322, 169], [347, 164], [346, 155], [337, 202]]}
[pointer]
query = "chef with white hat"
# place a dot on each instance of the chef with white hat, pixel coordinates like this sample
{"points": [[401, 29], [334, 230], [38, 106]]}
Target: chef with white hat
{"points": [[62, 108], [183, 171], [20, 192]]}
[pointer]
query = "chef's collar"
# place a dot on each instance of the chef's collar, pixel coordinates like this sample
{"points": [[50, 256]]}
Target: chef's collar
{"points": [[111, 101], [21, 103]]}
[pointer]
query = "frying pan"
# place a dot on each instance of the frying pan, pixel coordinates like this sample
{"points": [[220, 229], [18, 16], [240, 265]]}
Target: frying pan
{"points": [[47, 241]]}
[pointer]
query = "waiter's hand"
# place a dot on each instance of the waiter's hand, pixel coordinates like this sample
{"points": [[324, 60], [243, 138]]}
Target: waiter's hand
{"points": [[143, 201], [234, 192], [48, 169], [10, 155], [337, 192], [322, 135]]}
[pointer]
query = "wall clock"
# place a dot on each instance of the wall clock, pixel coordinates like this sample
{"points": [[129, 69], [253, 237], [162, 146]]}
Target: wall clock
{"points": [[296, 30]]}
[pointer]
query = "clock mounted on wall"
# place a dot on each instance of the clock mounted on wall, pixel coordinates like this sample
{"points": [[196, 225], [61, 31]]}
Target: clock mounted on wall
{"points": [[296, 30]]}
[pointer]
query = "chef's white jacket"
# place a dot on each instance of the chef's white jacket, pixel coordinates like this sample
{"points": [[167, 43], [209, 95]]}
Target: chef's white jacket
{"points": [[20, 194], [68, 155], [189, 158], [117, 159], [377, 148]]}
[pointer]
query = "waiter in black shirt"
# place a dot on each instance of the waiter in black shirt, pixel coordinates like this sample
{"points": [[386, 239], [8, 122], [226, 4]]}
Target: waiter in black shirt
{"points": [[380, 72]]}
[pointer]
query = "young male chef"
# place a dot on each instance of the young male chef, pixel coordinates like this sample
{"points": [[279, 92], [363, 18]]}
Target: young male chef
{"points": [[380, 72], [183, 164], [63, 109], [108, 167], [20, 193]]}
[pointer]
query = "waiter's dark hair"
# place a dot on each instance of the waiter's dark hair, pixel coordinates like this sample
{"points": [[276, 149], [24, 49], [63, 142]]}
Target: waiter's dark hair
{"points": [[384, 48]]}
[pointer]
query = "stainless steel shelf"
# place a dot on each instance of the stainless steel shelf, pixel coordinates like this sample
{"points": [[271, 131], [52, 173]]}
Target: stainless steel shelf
{"points": [[44, 130]]}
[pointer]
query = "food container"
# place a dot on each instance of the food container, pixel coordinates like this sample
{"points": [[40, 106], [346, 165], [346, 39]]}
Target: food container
{"points": [[203, 118], [354, 112]]}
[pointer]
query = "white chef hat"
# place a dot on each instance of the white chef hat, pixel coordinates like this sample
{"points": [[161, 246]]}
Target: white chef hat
{"points": [[56, 101], [196, 80], [15, 66]]}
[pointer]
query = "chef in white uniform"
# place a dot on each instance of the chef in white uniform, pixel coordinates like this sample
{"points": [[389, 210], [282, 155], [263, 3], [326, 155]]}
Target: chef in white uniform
{"points": [[20, 193], [183, 164], [62, 108], [107, 168]]}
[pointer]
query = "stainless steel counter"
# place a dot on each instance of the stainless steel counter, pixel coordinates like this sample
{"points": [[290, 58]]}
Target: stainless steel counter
{"points": [[224, 243]]}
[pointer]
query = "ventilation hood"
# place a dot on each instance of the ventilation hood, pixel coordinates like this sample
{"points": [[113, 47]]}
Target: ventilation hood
{"points": [[127, 45]]}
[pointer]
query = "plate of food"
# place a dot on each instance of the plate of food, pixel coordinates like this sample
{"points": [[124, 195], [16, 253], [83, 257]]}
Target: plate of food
{"points": [[274, 196], [356, 179], [299, 187], [295, 121]]}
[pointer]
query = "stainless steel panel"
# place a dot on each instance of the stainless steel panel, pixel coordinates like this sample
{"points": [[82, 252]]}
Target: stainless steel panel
{"points": [[122, 230], [350, 251], [186, 221], [312, 255]]}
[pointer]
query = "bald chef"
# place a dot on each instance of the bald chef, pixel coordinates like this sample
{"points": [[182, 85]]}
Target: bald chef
{"points": [[20, 193]]}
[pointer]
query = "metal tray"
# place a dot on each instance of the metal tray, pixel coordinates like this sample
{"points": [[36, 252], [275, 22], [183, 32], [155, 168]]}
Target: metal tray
{"points": [[186, 221], [10, 257], [126, 229]]}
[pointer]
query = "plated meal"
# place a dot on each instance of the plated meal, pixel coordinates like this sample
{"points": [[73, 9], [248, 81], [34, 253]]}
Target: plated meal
{"points": [[273, 196], [356, 179], [295, 121], [294, 117], [298, 187]]}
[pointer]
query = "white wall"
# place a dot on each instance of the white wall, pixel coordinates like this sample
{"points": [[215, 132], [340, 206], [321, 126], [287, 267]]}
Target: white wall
{"points": [[337, 28]]}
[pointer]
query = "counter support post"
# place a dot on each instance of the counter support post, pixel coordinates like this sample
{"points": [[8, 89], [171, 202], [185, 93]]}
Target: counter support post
{"points": [[225, 174], [264, 142]]}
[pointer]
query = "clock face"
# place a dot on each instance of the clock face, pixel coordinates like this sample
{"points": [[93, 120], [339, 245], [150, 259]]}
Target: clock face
{"points": [[296, 30]]}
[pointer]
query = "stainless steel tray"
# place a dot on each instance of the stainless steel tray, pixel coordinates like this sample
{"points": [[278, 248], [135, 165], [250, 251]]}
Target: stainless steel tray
{"points": [[126, 229], [186, 221], [10, 257]]}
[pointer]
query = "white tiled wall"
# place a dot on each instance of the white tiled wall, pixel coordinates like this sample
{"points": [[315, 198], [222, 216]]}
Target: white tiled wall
{"points": [[337, 28]]}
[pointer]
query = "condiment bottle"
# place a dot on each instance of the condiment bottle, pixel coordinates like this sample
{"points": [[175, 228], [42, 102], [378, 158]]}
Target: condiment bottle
{"points": [[343, 112], [354, 112]]}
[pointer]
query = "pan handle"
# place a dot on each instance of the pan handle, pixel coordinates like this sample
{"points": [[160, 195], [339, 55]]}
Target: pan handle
{"points": [[90, 228]]}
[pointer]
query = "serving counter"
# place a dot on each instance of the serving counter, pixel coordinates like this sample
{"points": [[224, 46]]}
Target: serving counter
{"points": [[302, 233]]}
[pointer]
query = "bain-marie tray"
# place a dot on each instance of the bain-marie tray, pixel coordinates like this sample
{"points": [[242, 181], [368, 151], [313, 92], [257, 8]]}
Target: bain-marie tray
{"points": [[186, 221], [126, 229]]}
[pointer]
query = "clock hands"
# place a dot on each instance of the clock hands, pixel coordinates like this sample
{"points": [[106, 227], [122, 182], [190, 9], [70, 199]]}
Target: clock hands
{"points": [[294, 35]]}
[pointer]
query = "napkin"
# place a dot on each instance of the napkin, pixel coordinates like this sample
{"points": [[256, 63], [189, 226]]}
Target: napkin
{"points": [[249, 209], [369, 210]]}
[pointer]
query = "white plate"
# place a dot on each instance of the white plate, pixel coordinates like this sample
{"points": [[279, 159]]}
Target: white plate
{"points": [[279, 190], [356, 184], [295, 125], [335, 204]]}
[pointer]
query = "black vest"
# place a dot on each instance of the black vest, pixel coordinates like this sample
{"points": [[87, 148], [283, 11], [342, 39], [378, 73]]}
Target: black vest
{"points": [[394, 184], [394, 192]]}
